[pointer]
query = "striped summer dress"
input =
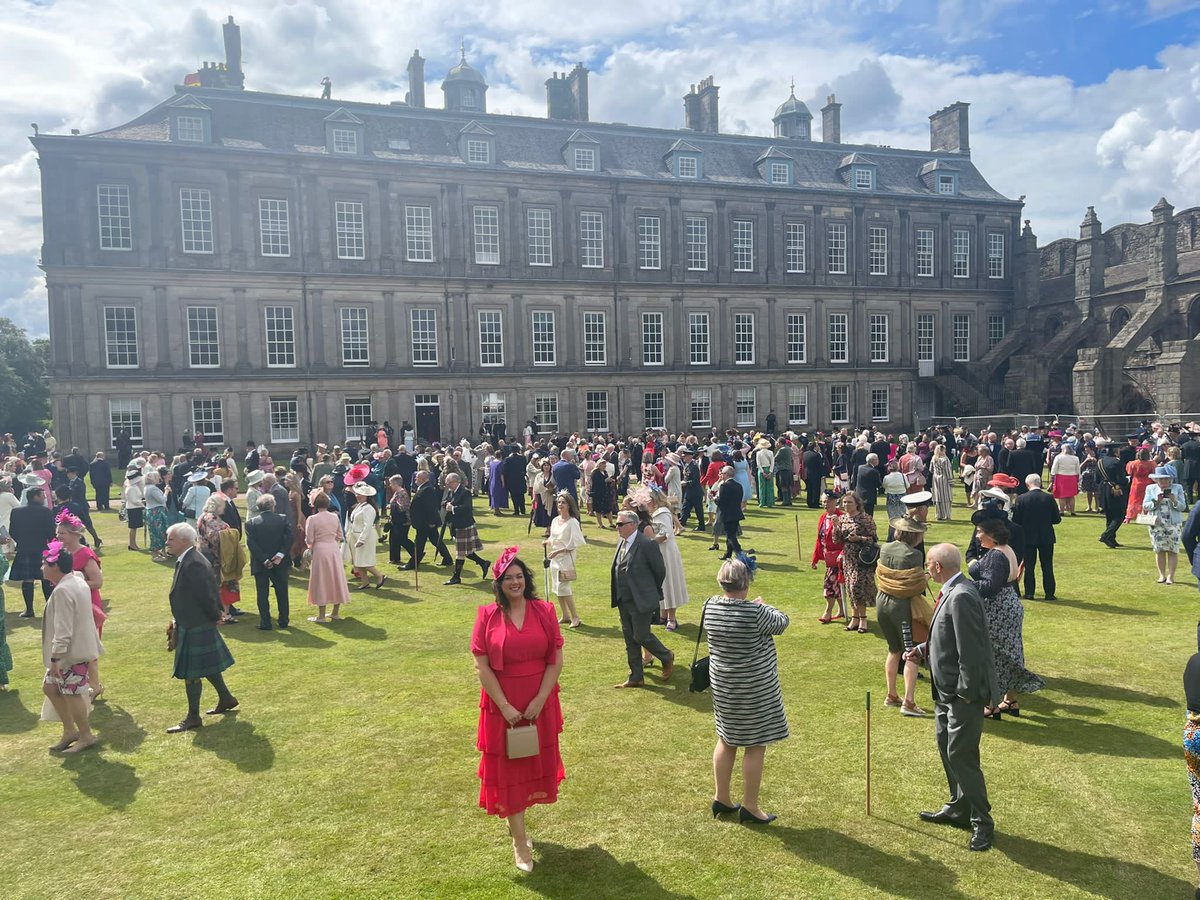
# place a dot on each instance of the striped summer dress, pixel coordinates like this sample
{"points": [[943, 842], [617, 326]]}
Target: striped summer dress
{"points": [[744, 671]]}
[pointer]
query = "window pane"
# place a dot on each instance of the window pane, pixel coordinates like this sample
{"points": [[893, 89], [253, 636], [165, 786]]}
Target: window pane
{"points": [[839, 403], [744, 401], [285, 420], [795, 250], [355, 343], [743, 338], [995, 330], [281, 336], [698, 338], [494, 408], [195, 216], [652, 339], [962, 253], [797, 338], [743, 245], [655, 405], [591, 240], [688, 167], [864, 179], [696, 234], [120, 337], [423, 328], [585, 159], [779, 173], [543, 338], [839, 347], [491, 338], [924, 252], [273, 231], [881, 398], [925, 324], [358, 417], [649, 242], [190, 128], [345, 140], [877, 250], [797, 405], [116, 225], [204, 347], [879, 338], [537, 226], [125, 415], [835, 248], [351, 231], [478, 152], [962, 337], [487, 235], [596, 410], [545, 413], [702, 408], [418, 233], [208, 419], [595, 341], [995, 251]]}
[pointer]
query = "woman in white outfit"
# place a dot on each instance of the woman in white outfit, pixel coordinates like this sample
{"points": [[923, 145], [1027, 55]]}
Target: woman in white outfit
{"points": [[359, 549], [566, 537], [673, 479], [674, 585]]}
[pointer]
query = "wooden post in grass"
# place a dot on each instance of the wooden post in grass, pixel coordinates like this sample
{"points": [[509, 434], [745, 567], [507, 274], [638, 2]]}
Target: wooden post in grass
{"points": [[799, 552], [868, 753], [416, 577]]}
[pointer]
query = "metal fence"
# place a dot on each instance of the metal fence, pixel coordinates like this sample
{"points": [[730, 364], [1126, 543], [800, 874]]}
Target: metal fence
{"points": [[1111, 426]]}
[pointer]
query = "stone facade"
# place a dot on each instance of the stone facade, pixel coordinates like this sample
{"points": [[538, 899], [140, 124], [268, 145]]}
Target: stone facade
{"points": [[451, 266]]}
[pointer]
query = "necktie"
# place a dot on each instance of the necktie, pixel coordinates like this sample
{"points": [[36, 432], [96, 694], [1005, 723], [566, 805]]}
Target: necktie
{"points": [[621, 551], [939, 598]]}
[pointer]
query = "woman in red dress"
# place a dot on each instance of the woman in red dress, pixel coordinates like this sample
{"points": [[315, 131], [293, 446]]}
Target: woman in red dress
{"points": [[69, 530], [518, 656], [1139, 471], [830, 551]]}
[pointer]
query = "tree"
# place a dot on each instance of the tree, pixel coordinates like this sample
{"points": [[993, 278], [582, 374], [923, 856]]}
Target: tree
{"points": [[24, 394]]}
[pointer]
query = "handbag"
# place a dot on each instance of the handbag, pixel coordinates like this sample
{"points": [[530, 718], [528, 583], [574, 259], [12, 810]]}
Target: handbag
{"points": [[699, 669], [521, 741], [1147, 518], [567, 574], [868, 554]]}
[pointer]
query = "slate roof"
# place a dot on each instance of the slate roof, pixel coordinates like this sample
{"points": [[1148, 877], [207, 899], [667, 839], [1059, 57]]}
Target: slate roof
{"points": [[249, 121]]}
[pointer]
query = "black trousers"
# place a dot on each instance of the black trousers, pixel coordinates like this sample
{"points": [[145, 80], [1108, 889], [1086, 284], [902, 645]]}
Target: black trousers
{"points": [[102, 498], [868, 502], [959, 725], [431, 535], [732, 544], [1191, 483], [398, 539], [783, 486], [813, 489], [1114, 512], [517, 497], [1046, 553], [692, 502], [275, 577]]}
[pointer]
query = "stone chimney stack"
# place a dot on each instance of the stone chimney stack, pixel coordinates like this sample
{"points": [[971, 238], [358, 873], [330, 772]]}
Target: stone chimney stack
{"points": [[416, 81], [567, 95], [1026, 284], [700, 107], [233, 54], [831, 121], [949, 130], [1163, 266], [1089, 262]]}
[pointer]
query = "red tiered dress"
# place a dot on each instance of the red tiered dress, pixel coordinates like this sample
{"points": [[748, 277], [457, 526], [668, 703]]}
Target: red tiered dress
{"points": [[519, 657]]}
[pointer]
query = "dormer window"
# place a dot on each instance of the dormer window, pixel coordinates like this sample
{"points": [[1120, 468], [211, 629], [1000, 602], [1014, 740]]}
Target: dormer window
{"points": [[780, 173], [581, 152], [190, 128], [477, 145], [478, 152], [585, 159], [864, 179], [946, 185], [345, 140], [687, 166]]}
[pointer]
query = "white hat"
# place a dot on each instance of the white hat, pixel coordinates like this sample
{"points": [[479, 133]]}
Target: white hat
{"points": [[364, 490], [197, 476], [31, 480], [917, 498], [996, 492], [255, 477]]}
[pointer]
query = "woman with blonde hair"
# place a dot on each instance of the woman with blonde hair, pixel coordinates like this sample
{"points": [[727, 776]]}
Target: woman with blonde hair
{"points": [[291, 481], [857, 534], [674, 589], [564, 540]]}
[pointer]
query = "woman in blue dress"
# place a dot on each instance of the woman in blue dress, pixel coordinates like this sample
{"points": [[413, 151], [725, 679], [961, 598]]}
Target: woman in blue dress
{"points": [[497, 495], [741, 474]]}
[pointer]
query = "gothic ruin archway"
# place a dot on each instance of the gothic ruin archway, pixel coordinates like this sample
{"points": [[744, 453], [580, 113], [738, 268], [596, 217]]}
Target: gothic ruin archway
{"points": [[1117, 320], [1193, 318]]}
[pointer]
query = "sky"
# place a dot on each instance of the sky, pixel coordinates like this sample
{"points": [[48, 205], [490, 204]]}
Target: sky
{"points": [[1073, 103]]}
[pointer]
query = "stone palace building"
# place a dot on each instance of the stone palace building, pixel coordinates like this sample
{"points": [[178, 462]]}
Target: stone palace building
{"points": [[285, 269]]}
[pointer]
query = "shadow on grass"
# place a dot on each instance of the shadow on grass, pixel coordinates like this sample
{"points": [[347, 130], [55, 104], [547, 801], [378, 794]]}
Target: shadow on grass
{"points": [[292, 636], [109, 782], [1109, 692], [14, 717], [394, 591], [676, 691], [1109, 608], [561, 870], [918, 876], [1101, 875], [117, 728], [236, 741], [1083, 737], [359, 631]]}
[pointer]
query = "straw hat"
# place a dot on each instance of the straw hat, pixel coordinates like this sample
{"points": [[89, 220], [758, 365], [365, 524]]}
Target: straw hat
{"points": [[904, 523], [254, 478], [364, 490]]}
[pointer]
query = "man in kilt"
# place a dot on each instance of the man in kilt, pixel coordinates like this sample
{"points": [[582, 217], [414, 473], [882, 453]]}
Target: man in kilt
{"points": [[462, 520], [200, 651]]}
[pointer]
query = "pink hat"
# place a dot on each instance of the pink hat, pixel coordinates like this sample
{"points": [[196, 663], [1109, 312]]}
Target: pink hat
{"points": [[500, 566]]}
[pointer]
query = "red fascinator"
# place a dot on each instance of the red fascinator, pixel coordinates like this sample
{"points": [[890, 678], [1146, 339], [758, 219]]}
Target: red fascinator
{"points": [[500, 566], [357, 474]]}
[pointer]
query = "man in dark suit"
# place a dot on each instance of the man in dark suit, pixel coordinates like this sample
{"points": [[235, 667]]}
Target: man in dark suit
{"points": [[231, 517], [512, 470], [693, 491], [269, 544], [1021, 464], [1114, 493], [31, 528], [963, 678], [1189, 451], [1037, 513], [635, 585], [867, 483], [101, 477], [196, 608], [424, 511], [729, 510], [814, 475]]}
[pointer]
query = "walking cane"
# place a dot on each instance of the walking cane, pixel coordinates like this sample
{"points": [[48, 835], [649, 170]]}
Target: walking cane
{"points": [[546, 569], [532, 507], [799, 552], [416, 577], [868, 753]]}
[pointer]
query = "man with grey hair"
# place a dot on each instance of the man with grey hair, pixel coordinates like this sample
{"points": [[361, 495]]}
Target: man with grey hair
{"points": [[424, 513], [268, 544], [963, 678], [461, 520], [730, 496], [867, 483], [635, 585], [200, 652], [1037, 513], [566, 474]]}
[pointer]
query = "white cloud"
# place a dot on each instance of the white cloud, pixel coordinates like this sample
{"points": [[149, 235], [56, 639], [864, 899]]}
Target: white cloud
{"points": [[1118, 144]]}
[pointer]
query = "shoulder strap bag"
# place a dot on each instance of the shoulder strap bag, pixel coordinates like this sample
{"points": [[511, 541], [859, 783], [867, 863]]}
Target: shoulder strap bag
{"points": [[699, 668]]}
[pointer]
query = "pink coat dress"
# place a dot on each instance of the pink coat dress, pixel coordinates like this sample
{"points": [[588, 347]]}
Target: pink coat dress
{"points": [[327, 577]]}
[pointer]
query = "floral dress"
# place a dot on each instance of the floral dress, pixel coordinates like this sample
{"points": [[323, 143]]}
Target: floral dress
{"points": [[995, 576], [855, 531]]}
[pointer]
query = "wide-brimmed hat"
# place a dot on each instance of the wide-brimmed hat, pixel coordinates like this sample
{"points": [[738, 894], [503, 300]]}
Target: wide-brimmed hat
{"points": [[1002, 480], [1163, 472], [31, 480], [687, 451], [998, 493], [763, 444], [364, 490], [255, 477], [917, 498], [197, 476], [904, 523], [356, 474]]}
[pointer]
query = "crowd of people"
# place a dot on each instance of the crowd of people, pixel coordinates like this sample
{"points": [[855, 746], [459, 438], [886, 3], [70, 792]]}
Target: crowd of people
{"points": [[330, 509]]}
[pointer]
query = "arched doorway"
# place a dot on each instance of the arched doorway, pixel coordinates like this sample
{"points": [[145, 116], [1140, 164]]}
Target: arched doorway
{"points": [[1133, 399], [1120, 316], [1193, 318]]}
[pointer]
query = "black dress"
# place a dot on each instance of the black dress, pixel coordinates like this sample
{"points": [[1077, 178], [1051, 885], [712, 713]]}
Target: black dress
{"points": [[601, 498]]}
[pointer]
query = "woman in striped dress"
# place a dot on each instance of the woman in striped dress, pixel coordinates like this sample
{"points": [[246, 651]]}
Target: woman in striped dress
{"points": [[744, 673], [943, 482]]}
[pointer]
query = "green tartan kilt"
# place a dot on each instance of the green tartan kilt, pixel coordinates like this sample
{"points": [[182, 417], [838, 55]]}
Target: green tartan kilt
{"points": [[199, 652]]}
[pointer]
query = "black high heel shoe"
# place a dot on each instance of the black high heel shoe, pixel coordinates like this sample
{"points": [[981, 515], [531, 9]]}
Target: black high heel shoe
{"points": [[720, 809], [747, 817], [1012, 709]]}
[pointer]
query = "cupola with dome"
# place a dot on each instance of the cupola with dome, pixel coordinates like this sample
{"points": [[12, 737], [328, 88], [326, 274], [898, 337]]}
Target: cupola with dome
{"points": [[792, 119], [464, 87]]}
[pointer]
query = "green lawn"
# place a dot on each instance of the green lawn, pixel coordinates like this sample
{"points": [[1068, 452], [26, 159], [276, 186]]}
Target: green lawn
{"points": [[350, 768]]}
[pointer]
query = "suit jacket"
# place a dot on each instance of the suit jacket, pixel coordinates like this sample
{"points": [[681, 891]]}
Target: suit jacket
{"points": [[1191, 536], [1022, 463], [100, 474], [32, 528], [267, 534], [729, 502], [1037, 513], [232, 517], [462, 516], [814, 465], [867, 481], [423, 509], [638, 580], [513, 470], [195, 595], [691, 481], [959, 650], [1111, 471]]}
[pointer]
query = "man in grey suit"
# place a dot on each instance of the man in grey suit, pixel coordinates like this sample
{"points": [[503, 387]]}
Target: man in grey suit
{"points": [[268, 544], [963, 678], [638, 571]]}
